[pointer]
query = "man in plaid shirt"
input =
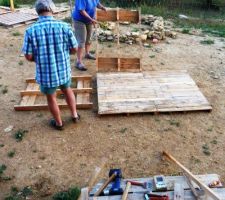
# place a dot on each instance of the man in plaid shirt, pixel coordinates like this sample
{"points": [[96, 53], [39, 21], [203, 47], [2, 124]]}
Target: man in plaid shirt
{"points": [[49, 44]]}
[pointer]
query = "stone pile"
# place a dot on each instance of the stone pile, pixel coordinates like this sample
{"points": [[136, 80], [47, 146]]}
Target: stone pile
{"points": [[154, 30]]}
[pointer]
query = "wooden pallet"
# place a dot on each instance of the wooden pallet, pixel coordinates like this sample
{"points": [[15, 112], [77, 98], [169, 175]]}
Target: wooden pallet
{"points": [[15, 19], [137, 193], [83, 92], [106, 64], [120, 15], [158, 91], [4, 10]]}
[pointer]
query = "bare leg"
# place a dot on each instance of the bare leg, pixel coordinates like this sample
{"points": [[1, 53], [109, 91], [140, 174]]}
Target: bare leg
{"points": [[79, 54], [71, 101], [87, 48], [54, 108]]}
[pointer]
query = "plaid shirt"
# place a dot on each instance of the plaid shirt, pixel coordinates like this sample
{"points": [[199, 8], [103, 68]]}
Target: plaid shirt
{"points": [[50, 41]]}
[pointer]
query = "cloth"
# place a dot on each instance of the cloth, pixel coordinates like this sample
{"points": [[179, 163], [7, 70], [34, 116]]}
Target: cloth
{"points": [[83, 33], [46, 90], [89, 6], [50, 41]]}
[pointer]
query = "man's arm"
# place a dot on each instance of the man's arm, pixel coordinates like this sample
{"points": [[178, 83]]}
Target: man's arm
{"points": [[85, 14], [100, 6], [29, 57]]}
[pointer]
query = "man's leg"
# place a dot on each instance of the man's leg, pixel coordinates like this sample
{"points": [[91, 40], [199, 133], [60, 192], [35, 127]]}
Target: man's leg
{"points": [[71, 101], [89, 28], [54, 108]]}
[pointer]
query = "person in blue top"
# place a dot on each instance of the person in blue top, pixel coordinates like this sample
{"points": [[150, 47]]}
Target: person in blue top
{"points": [[84, 19], [49, 44]]}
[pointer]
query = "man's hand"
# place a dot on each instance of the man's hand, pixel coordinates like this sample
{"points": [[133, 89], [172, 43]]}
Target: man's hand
{"points": [[104, 9], [94, 22]]}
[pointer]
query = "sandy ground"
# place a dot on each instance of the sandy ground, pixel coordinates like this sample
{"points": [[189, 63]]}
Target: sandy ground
{"points": [[51, 161]]}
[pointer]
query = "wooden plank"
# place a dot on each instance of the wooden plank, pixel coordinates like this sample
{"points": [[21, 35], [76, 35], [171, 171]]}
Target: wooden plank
{"points": [[178, 191], [25, 98], [129, 16], [73, 78], [31, 99], [110, 15], [79, 97], [45, 107], [58, 91], [188, 195]]}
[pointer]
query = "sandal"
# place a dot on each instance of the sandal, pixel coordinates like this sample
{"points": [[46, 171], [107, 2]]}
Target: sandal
{"points": [[76, 119], [90, 56], [54, 125]]}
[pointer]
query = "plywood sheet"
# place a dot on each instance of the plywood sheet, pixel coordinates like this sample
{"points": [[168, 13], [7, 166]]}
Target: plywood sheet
{"points": [[162, 91]]}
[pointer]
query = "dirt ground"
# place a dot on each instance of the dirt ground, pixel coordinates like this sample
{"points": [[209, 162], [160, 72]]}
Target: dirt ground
{"points": [[51, 161]]}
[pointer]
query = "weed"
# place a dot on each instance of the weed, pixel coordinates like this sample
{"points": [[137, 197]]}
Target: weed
{"points": [[72, 193], [19, 134], [11, 154], [206, 150], [157, 119], [20, 62], [152, 56], [39, 115], [14, 190], [214, 141], [17, 33], [186, 31], [11, 45], [109, 45], [2, 145], [123, 130], [2, 169], [174, 123], [135, 30], [210, 129], [26, 191], [92, 51], [5, 89], [207, 42]]}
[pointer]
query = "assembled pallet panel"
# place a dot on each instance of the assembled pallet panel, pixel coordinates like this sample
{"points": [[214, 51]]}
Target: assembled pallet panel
{"points": [[16, 18], [123, 92], [82, 91]]}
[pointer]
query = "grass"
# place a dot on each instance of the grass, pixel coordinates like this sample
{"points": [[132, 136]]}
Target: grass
{"points": [[5, 89], [72, 194], [17, 33], [207, 42], [206, 150], [19, 135], [2, 145], [123, 130], [152, 56], [15, 194], [186, 31], [2, 169], [11, 154], [174, 123], [20, 62]]}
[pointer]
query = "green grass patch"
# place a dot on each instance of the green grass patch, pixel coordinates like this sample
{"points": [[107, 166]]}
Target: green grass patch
{"points": [[186, 31], [72, 194], [20, 62], [17, 33], [19, 135], [5, 89], [207, 42], [206, 150], [11, 154], [123, 130], [174, 123]]}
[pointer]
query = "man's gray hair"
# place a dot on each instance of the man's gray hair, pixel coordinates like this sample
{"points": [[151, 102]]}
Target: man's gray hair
{"points": [[44, 6]]}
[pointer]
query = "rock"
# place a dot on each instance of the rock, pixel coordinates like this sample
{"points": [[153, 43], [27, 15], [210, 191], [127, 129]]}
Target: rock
{"points": [[8, 129], [135, 34], [171, 34], [143, 37], [125, 23], [183, 16], [155, 41], [110, 38], [146, 45], [107, 33]]}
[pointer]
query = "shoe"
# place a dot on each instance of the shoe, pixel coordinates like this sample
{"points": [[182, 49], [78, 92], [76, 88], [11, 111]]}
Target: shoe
{"points": [[76, 119], [54, 125], [80, 66], [89, 56]]}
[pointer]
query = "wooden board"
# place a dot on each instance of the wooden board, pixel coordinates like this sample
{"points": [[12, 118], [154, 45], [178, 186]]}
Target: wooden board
{"points": [[159, 91], [120, 15], [4, 10], [137, 193], [83, 92], [107, 64], [16, 18]]}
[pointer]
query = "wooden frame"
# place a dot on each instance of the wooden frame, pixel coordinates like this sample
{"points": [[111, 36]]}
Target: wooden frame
{"points": [[106, 64], [120, 15], [83, 92]]}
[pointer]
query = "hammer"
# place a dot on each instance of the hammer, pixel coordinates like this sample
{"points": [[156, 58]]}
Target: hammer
{"points": [[145, 185]]}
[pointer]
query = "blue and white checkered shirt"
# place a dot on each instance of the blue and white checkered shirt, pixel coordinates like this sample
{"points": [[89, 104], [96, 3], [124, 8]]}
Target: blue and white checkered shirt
{"points": [[50, 41]]}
